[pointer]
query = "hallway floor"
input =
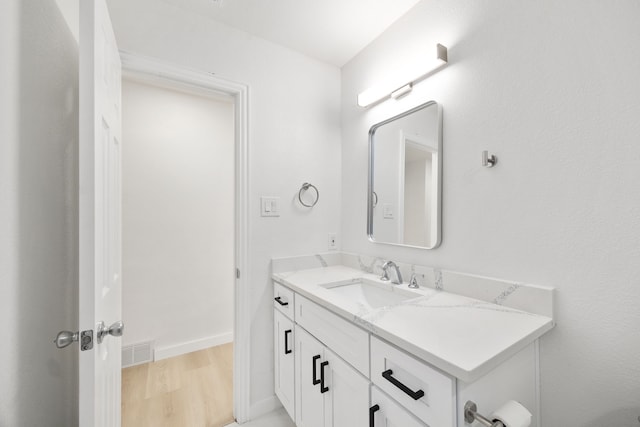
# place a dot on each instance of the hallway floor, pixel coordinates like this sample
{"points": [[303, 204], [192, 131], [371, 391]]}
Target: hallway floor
{"points": [[194, 389]]}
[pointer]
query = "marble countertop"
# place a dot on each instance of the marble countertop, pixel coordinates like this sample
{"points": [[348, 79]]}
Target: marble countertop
{"points": [[462, 336]]}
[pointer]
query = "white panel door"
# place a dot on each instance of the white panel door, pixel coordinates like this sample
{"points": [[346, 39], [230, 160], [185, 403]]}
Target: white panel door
{"points": [[309, 399], [347, 400], [284, 361], [99, 216]]}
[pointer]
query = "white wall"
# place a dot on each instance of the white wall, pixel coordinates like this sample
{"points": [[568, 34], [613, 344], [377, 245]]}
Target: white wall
{"points": [[177, 217], [294, 110], [70, 9], [552, 89], [38, 214]]}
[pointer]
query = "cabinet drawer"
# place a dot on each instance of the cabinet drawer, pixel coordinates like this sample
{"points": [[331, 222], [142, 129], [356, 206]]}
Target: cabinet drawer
{"points": [[342, 337], [429, 394], [386, 412], [283, 300]]}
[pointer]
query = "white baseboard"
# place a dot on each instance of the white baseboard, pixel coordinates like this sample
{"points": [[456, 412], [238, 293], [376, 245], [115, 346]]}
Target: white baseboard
{"points": [[190, 346], [265, 406]]}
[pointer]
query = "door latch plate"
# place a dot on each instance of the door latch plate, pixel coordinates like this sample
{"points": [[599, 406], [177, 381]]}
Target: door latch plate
{"points": [[86, 340]]}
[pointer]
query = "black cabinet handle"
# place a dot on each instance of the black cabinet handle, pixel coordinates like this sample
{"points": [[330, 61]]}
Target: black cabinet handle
{"points": [[287, 350], [372, 415], [279, 301], [415, 395], [323, 389], [315, 375]]}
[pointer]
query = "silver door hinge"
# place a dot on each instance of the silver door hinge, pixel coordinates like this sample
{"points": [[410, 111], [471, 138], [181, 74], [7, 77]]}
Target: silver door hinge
{"points": [[237, 273]]}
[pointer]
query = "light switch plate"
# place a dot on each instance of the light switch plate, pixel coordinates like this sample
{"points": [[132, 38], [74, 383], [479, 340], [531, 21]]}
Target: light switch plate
{"points": [[269, 206], [387, 211]]}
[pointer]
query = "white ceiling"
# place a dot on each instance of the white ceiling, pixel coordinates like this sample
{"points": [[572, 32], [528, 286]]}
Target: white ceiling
{"points": [[332, 31]]}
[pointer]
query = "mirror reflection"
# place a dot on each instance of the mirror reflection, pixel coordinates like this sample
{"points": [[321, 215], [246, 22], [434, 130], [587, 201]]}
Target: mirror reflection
{"points": [[405, 178]]}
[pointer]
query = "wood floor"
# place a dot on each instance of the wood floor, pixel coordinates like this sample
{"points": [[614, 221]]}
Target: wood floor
{"points": [[192, 390]]}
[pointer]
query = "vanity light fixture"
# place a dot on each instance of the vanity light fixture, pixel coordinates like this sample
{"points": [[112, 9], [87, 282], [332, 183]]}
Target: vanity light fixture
{"points": [[395, 91]]}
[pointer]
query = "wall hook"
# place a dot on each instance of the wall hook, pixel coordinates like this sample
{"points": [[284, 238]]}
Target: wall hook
{"points": [[488, 161]]}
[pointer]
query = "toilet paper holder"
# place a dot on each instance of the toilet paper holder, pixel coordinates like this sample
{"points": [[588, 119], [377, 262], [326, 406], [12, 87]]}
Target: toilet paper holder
{"points": [[471, 414]]}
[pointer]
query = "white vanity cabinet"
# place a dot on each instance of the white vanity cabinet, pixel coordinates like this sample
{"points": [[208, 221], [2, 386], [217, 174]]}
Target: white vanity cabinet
{"points": [[336, 374]]}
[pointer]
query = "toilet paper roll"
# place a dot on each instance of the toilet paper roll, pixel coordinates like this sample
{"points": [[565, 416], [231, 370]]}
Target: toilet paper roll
{"points": [[512, 414]]}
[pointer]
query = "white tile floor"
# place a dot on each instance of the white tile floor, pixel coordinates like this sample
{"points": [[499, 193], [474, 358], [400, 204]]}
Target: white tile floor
{"points": [[277, 418]]}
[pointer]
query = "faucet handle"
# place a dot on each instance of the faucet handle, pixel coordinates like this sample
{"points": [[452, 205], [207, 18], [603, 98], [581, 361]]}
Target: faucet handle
{"points": [[413, 282]]}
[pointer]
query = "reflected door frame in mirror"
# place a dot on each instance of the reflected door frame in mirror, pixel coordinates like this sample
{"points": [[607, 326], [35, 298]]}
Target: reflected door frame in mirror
{"points": [[406, 140]]}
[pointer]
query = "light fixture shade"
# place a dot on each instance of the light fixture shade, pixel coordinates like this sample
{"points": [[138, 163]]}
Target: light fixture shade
{"points": [[396, 90], [372, 95]]}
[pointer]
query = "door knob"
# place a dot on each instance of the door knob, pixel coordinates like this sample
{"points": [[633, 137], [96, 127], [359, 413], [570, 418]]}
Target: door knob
{"points": [[65, 338], [115, 330]]}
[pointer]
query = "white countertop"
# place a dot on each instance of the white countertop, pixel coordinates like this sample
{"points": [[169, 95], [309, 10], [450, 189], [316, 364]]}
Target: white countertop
{"points": [[462, 336]]}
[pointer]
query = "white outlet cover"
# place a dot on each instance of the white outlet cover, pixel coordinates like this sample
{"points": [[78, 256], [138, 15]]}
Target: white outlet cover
{"points": [[332, 241]]}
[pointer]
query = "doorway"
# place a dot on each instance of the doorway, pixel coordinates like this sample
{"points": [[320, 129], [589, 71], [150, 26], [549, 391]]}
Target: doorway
{"points": [[184, 227]]}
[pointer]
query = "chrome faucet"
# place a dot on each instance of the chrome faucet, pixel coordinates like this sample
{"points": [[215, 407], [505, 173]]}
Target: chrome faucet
{"points": [[385, 273]]}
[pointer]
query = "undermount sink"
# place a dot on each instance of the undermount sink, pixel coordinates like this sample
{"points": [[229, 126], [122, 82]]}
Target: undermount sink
{"points": [[371, 295]]}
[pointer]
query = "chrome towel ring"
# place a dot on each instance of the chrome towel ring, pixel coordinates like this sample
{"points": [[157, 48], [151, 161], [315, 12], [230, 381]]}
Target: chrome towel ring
{"points": [[304, 188]]}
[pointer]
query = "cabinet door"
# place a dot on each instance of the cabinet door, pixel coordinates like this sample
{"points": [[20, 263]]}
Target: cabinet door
{"points": [[284, 344], [387, 413], [347, 400], [309, 400]]}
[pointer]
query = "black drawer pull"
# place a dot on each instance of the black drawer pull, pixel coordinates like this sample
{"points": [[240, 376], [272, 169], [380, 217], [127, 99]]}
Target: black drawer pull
{"points": [[279, 301], [372, 415], [315, 374], [287, 350], [415, 395], [323, 389]]}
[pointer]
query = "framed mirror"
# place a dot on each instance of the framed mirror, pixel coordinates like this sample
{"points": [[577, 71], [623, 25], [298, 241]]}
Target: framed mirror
{"points": [[405, 178]]}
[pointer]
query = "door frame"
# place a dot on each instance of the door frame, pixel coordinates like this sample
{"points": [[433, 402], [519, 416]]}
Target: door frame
{"points": [[151, 69]]}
